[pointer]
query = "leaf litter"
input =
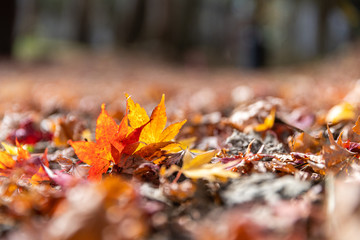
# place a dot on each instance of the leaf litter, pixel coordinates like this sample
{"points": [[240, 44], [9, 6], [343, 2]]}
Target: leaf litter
{"points": [[264, 170]]}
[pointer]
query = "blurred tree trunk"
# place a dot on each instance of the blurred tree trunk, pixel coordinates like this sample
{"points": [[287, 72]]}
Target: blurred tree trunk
{"points": [[325, 7], [351, 9], [180, 31], [137, 22], [7, 23], [83, 35], [185, 39], [258, 49]]}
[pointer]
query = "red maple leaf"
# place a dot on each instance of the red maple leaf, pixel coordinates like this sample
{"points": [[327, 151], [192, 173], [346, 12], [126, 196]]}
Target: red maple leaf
{"points": [[32, 167], [111, 141]]}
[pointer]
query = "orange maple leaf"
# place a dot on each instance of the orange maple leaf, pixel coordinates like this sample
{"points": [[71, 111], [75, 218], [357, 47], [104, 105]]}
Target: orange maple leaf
{"points": [[22, 154], [155, 132], [32, 167], [41, 174], [111, 141], [7, 163], [268, 122]]}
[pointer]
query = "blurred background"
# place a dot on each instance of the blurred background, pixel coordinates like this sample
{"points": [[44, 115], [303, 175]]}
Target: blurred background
{"points": [[240, 33], [205, 55]]}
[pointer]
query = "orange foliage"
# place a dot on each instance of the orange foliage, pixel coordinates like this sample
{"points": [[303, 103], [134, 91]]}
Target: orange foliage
{"points": [[32, 168], [111, 141], [155, 132]]}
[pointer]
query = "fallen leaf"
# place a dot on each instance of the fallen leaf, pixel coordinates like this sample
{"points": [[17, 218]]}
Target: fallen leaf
{"points": [[22, 154], [31, 167], [305, 143], [356, 127], [65, 129], [12, 150], [6, 163], [336, 157], [41, 174], [155, 131], [268, 122], [180, 145], [198, 167], [109, 136], [152, 148], [341, 112], [190, 162]]}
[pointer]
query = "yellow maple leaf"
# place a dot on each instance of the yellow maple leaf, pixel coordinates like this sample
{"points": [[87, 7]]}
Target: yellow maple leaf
{"points": [[155, 131], [190, 162], [180, 145], [137, 115], [268, 122], [341, 112], [6, 163], [356, 128], [199, 167], [10, 149]]}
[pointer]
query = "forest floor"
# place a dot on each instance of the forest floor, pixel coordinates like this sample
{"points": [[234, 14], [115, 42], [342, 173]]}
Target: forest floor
{"points": [[267, 154]]}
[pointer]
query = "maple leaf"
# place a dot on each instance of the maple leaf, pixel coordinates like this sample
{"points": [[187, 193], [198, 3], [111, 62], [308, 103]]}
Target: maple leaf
{"points": [[66, 128], [6, 163], [10, 149], [22, 154], [155, 132], [180, 145], [199, 167], [336, 157], [111, 141], [304, 142], [341, 112], [268, 122], [356, 127], [32, 167], [190, 162], [41, 174]]}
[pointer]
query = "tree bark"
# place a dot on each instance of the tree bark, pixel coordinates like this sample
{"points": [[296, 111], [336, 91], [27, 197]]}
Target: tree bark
{"points": [[7, 24], [137, 23]]}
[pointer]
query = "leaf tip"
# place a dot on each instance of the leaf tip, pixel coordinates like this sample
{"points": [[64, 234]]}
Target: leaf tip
{"points": [[17, 143], [103, 107]]}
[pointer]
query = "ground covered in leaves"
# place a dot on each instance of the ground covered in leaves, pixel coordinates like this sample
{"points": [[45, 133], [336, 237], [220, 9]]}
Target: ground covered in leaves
{"points": [[222, 154]]}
